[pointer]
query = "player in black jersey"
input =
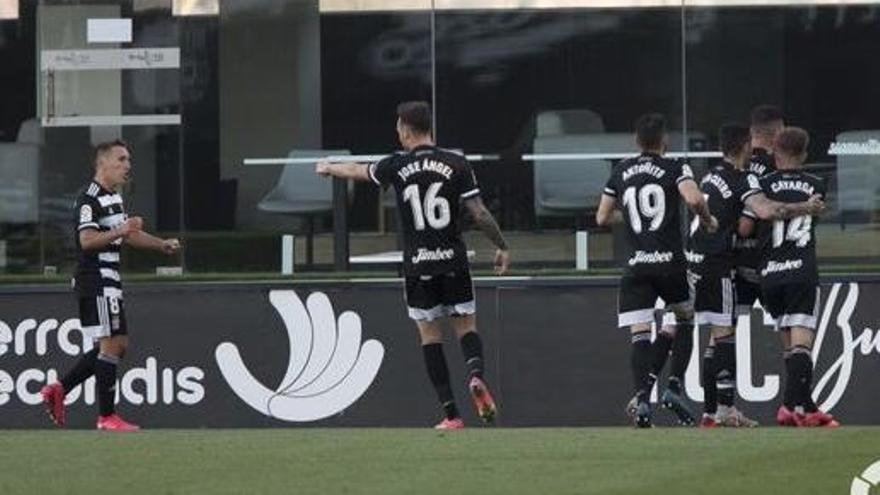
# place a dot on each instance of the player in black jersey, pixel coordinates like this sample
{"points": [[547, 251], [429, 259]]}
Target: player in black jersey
{"points": [[790, 275], [728, 189], [431, 184], [767, 122], [102, 228], [648, 190]]}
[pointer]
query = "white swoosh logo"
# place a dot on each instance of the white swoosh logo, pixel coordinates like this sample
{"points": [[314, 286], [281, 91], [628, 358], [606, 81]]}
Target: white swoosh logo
{"points": [[328, 370]]}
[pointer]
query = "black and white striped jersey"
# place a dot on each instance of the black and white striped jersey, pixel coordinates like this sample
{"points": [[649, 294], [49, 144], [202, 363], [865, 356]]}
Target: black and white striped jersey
{"points": [[97, 272]]}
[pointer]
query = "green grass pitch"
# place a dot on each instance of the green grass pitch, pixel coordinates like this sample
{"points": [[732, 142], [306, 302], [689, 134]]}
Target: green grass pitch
{"points": [[541, 461]]}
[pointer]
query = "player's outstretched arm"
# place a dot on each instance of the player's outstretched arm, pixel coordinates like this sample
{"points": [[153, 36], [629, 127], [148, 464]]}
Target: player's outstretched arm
{"points": [[356, 171], [486, 222], [767, 209], [696, 202], [143, 240], [95, 240]]}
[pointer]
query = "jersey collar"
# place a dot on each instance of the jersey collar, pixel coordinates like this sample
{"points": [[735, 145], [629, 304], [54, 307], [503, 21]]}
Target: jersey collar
{"points": [[760, 153], [422, 147], [728, 166]]}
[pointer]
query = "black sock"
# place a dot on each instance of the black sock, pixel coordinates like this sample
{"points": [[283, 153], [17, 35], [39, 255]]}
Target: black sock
{"points": [[809, 405], [81, 371], [105, 375], [472, 349], [640, 362], [681, 351], [710, 390], [662, 345], [789, 395], [725, 366], [438, 372], [801, 366]]}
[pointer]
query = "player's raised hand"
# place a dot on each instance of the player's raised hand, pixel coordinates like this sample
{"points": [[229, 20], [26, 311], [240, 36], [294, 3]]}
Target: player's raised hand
{"points": [[502, 261], [323, 169], [711, 225], [132, 225], [815, 205], [170, 246]]}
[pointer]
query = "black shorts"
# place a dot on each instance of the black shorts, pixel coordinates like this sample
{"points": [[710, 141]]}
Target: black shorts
{"points": [[102, 316], [748, 287], [793, 305], [714, 298], [638, 296], [429, 297]]}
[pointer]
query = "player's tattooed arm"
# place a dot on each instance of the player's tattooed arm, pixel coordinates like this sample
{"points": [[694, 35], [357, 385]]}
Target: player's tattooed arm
{"points": [[486, 222], [356, 171], [767, 209]]}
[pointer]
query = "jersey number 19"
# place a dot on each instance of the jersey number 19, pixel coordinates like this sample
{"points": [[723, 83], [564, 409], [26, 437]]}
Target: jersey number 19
{"points": [[650, 202]]}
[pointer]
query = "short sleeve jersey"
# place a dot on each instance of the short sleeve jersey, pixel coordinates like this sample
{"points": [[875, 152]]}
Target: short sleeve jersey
{"points": [[646, 190], [726, 190], [97, 272], [789, 246], [430, 184]]}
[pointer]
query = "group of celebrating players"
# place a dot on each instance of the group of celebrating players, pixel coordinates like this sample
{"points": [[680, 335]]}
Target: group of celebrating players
{"points": [[752, 238]]}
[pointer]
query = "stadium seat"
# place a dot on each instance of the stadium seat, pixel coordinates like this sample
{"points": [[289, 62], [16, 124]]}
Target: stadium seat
{"points": [[301, 192], [19, 183], [859, 176], [574, 187], [566, 188]]}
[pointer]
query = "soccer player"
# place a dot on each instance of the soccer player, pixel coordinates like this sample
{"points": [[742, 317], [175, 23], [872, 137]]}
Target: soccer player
{"points": [[648, 190], [430, 185], [790, 276], [729, 188], [102, 228], [766, 122]]}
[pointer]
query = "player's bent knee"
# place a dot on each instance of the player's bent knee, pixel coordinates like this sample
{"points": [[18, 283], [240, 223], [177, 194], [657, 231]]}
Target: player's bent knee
{"points": [[430, 332], [720, 333], [801, 336], [684, 314], [640, 327]]}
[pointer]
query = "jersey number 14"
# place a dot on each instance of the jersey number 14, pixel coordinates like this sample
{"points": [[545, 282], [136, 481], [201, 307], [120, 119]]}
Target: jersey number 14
{"points": [[796, 230]]}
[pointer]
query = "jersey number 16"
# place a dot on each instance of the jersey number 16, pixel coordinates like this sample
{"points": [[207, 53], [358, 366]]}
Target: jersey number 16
{"points": [[434, 209]]}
